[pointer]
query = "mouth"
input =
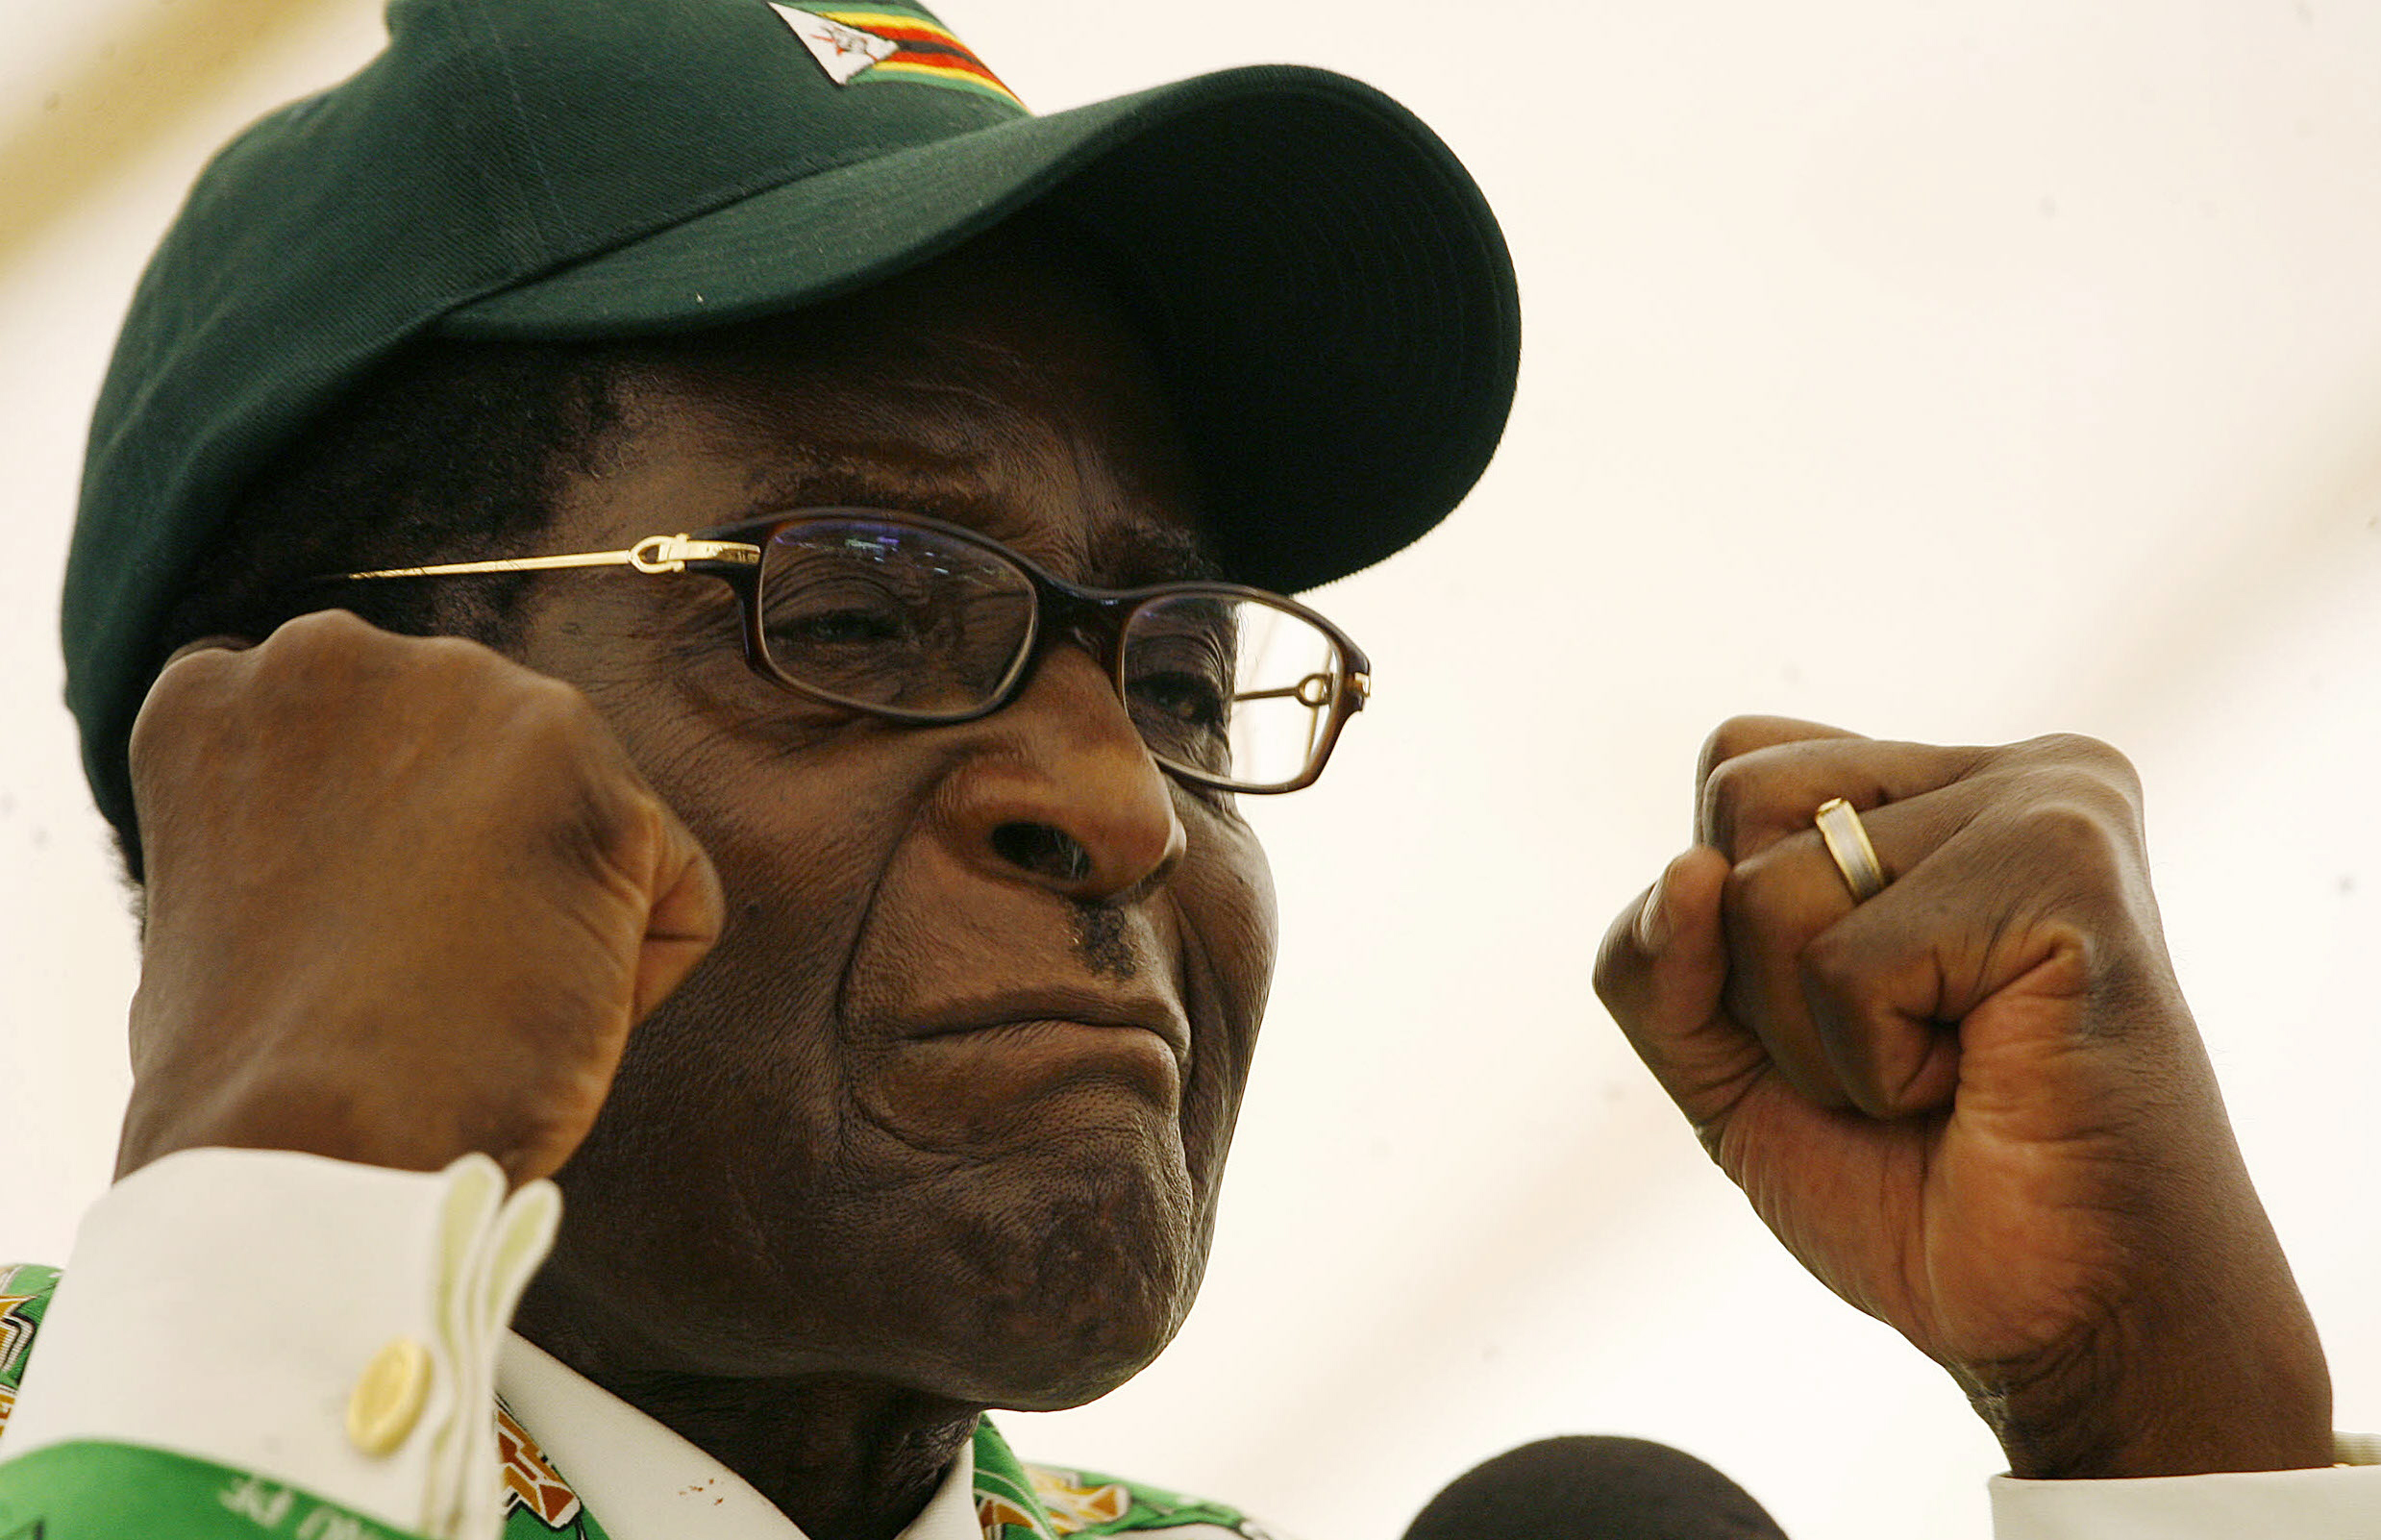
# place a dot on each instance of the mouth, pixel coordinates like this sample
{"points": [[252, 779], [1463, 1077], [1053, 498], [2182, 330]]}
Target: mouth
{"points": [[1089, 1011]]}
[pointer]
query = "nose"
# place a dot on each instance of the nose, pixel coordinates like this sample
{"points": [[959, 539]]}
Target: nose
{"points": [[1063, 795]]}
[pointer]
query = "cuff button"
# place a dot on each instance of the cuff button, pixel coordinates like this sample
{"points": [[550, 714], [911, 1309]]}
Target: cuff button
{"points": [[389, 1397]]}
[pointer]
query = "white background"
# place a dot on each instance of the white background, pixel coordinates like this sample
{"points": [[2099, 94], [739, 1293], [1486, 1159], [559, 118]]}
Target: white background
{"points": [[1961, 371]]}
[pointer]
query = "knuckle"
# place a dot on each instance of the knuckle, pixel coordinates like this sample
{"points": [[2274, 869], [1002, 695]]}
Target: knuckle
{"points": [[1840, 968], [2073, 837], [182, 693], [308, 650], [1730, 738], [1833, 961], [1773, 892], [462, 652], [455, 666], [560, 714], [559, 697], [2091, 755], [2062, 825], [541, 695], [1732, 797], [331, 628]]}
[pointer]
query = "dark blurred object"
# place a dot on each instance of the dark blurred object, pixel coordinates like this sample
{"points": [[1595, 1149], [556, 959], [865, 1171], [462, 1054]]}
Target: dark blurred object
{"points": [[1596, 1487]]}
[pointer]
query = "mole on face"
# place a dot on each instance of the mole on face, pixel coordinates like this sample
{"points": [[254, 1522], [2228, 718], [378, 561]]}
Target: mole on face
{"points": [[1100, 937]]}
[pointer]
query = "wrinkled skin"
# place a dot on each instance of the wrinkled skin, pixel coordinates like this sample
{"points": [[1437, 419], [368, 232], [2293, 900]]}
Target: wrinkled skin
{"points": [[1975, 1106], [937, 1121]]}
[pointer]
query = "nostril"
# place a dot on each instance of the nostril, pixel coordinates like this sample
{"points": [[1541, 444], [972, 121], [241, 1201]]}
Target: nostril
{"points": [[1044, 851]]}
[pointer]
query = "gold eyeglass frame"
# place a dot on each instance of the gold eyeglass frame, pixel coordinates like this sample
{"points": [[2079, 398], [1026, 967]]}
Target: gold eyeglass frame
{"points": [[731, 554]]}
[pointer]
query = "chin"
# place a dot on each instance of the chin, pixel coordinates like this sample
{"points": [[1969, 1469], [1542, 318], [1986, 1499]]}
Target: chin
{"points": [[1074, 1292], [1036, 1265]]}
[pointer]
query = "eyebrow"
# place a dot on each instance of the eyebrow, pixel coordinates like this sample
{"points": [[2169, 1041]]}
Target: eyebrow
{"points": [[1134, 555], [851, 484]]}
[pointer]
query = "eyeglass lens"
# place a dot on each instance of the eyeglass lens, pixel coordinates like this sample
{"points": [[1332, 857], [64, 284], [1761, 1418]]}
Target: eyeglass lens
{"points": [[920, 620]]}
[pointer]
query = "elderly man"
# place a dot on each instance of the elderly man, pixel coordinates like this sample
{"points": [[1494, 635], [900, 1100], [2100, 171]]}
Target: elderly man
{"points": [[674, 595], [841, 519]]}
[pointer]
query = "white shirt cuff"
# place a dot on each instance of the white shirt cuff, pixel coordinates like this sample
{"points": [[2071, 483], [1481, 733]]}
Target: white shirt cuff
{"points": [[2343, 1503], [225, 1304]]}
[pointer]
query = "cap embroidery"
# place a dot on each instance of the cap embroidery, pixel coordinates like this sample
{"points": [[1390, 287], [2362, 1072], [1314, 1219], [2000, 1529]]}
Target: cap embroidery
{"points": [[888, 43], [841, 51]]}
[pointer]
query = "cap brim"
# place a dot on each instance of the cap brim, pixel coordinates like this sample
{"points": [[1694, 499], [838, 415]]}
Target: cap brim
{"points": [[1340, 327]]}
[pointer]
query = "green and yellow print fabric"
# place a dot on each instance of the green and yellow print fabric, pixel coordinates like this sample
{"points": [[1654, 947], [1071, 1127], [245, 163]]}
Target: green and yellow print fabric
{"points": [[94, 1491], [24, 1294], [1019, 1502], [88, 1491]]}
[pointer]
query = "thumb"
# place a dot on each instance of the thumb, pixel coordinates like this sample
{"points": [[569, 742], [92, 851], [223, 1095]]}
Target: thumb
{"points": [[1660, 972]]}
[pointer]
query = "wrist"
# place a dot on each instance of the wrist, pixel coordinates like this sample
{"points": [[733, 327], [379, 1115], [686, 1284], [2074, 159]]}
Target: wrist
{"points": [[336, 1122], [2242, 1396]]}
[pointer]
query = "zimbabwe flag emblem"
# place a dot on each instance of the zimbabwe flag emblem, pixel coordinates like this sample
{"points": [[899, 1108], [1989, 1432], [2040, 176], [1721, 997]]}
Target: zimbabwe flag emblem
{"points": [[875, 44]]}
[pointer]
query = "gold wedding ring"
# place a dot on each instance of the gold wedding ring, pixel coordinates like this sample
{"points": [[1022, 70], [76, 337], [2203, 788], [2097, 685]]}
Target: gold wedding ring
{"points": [[1847, 841]]}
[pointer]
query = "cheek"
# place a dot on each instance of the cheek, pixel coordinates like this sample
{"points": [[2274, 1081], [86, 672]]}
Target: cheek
{"points": [[1228, 897], [799, 807], [1225, 897], [801, 833]]}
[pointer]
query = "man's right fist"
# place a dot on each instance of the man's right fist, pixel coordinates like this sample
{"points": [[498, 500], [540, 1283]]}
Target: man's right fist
{"points": [[406, 901], [1975, 1104]]}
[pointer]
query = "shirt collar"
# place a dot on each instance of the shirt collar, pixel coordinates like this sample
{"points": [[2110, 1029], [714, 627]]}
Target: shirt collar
{"points": [[643, 1481]]}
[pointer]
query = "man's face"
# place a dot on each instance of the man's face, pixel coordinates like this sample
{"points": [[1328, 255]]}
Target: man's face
{"points": [[946, 1106]]}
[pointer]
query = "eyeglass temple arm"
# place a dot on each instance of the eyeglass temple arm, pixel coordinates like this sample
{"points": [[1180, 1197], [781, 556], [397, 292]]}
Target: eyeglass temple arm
{"points": [[1359, 687], [655, 554]]}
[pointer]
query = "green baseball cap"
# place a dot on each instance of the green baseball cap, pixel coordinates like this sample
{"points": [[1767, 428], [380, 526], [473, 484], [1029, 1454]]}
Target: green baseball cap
{"points": [[1341, 326]]}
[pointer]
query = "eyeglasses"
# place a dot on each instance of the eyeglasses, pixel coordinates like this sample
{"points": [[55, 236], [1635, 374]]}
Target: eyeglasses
{"points": [[917, 621]]}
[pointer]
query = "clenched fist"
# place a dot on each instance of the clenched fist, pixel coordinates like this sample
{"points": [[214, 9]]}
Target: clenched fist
{"points": [[1975, 1104], [406, 901]]}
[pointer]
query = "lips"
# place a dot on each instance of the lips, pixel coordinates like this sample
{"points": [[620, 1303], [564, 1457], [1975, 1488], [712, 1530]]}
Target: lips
{"points": [[1080, 1008]]}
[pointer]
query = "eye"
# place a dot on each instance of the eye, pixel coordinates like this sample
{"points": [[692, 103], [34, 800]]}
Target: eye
{"points": [[1183, 696], [838, 628], [845, 614]]}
